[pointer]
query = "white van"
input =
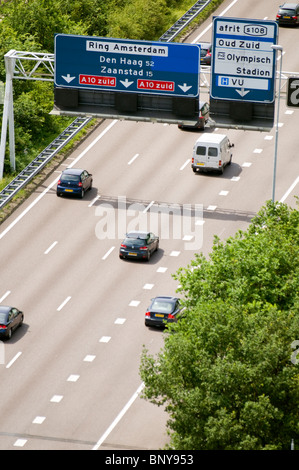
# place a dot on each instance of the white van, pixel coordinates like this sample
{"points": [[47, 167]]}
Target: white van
{"points": [[211, 152]]}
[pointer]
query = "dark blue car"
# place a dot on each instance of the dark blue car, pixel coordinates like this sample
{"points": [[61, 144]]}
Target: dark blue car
{"points": [[10, 319], [163, 310], [74, 181], [139, 244]]}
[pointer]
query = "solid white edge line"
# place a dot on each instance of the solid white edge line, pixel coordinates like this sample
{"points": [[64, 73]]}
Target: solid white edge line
{"points": [[289, 190], [148, 207], [185, 164], [55, 181], [118, 417], [13, 360]]}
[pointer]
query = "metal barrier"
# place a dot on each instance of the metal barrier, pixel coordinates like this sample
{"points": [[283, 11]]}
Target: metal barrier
{"points": [[41, 160]]}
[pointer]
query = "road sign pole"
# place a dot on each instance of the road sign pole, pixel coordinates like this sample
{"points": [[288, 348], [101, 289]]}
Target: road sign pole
{"points": [[278, 48]]}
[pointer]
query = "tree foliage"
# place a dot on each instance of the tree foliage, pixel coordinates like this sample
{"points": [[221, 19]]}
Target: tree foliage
{"points": [[225, 374]]}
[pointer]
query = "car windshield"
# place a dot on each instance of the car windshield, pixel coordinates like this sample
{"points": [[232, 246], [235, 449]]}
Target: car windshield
{"points": [[74, 178], [162, 306], [2, 317]]}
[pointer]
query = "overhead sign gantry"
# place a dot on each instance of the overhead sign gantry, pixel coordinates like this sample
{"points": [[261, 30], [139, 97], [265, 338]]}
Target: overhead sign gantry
{"points": [[243, 72], [125, 77]]}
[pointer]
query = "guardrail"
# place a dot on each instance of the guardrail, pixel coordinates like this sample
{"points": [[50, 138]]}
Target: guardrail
{"points": [[41, 160], [48, 153]]}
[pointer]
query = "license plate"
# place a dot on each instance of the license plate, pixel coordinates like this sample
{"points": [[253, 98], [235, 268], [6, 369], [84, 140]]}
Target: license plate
{"points": [[159, 315], [287, 17], [69, 190], [132, 254], [200, 164]]}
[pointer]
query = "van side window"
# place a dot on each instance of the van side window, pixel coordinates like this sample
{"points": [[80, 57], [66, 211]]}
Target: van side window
{"points": [[200, 150], [213, 152]]}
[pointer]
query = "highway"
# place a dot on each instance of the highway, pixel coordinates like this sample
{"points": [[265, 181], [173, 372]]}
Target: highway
{"points": [[70, 376]]}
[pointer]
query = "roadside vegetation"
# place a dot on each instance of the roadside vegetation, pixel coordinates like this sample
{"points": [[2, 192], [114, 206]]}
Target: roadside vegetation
{"points": [[31, 25], [228, 375]]}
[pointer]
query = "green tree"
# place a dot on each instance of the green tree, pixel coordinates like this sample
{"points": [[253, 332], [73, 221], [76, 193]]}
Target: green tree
{"points": [[225, 374]]}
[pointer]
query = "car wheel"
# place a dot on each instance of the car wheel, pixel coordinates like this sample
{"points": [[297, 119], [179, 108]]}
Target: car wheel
{"points": [[9, 333], [82, 193], [157, 247], [90, 187], [148, 256], [21, 322], [57, 194]]}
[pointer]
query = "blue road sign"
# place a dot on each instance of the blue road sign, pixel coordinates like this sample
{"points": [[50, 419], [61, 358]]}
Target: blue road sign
{"points": [[243, 61], [95, 63]]}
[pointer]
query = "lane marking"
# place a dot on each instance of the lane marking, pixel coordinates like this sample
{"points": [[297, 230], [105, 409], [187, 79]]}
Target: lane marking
{"points": [[46, 190], [223, 193], [235, 178], [120, 321], [5, 295], [73, 378], [257, 150], [108, 253], [13, 360], [148, 286], [133, 159], [94, 200], [50, 248], [134, 303], [89, 358], [118, 417], [246, 164], [161, 270], [175, 253], [148, 207], [105, 339], [289, 190], [56, 398], [39, 420], [20, 442], [211, 208], [185, 164], [64, 303]]}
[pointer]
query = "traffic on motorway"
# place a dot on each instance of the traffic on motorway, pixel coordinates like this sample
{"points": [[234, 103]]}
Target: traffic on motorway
{"points": [[87, 296]]}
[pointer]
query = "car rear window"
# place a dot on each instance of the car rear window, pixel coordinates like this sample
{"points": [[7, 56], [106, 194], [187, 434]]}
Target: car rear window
{"points": [[213, 152], [135, 241], [74, 178], [200, 150], [163, 307], [2, 317]]}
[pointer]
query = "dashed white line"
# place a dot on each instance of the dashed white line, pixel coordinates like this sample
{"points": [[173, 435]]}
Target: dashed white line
{"points": [[39, 420], [134, 303], [105, 339], [185, 164], [94, 200], [56, 398], [108, 253], [148, 286], [223, 193], [235, 178], [162, 269], [120, 321], [50, 248], [73, 378], [89, 358], [257, 150], [64, 303], [5, 295], [211, 208], [247, 164], [20, 442], [13, 360], [133, 159], [148, 207], [175, 253]]}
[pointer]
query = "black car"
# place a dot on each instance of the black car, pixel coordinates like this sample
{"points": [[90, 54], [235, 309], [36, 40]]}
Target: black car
{"points": [[204, 115], [10, 319], [163, 310], [138, 244], [205, 53], [74, 181], [288, 14]]}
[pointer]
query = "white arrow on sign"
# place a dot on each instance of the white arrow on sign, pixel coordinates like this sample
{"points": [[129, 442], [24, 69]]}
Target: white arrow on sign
{"points": [[242, 92], [185, 87], [68, 78], [126, 83]]}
